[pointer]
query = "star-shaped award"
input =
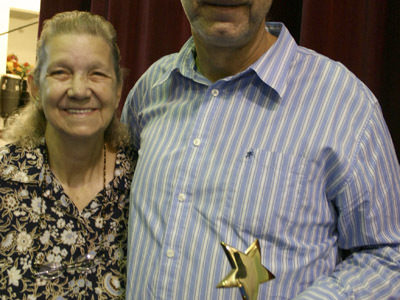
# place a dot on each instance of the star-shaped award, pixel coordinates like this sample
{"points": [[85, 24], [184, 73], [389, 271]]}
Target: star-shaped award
{"points": [[247, 273]]}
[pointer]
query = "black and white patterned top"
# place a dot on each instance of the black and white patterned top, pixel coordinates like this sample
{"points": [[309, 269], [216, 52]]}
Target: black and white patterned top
{"points": [[39, 224]]}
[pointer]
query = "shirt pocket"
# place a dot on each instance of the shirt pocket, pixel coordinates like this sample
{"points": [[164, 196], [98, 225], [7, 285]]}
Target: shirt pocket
{"points": [[275, 193]]}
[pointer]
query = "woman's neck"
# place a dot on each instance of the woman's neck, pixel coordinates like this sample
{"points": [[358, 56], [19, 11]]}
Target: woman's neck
{"points": [[75, 160], [80, 166]]}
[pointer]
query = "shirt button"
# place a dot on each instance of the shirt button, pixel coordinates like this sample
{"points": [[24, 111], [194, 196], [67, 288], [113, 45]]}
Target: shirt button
{"points": [[197, 142], [181, 197], [170, 253], [215, 92]]}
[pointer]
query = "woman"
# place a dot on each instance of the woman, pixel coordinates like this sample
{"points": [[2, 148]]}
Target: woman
{"points": [[65, 178]]}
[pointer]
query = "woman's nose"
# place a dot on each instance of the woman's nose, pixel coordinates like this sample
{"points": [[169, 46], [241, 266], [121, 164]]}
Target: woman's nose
{"points": [[79, 88]]}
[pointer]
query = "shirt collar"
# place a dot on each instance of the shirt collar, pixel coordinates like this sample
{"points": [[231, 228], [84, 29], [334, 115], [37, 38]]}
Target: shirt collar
{"points": [[182, 63], [272, 67]]}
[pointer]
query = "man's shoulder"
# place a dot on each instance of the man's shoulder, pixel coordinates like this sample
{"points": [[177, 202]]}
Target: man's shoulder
{"points": [[164, 63], [158, 70], [322, 64]]}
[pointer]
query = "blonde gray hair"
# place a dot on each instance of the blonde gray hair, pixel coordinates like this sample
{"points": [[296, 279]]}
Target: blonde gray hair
{"points": [[28, 127]]}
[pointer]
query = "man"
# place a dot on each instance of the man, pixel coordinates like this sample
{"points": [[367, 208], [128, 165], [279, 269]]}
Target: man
{"points": [[243, 136]]}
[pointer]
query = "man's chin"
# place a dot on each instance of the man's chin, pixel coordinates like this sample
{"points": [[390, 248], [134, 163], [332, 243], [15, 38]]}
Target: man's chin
{"points": [[225, 38]]}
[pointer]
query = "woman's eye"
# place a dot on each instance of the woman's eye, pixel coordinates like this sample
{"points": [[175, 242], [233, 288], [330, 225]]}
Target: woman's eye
{"points": [[99, 74], [59, 73]]}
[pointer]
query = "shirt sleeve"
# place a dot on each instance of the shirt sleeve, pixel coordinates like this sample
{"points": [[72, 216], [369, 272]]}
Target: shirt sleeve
{"points": [[130, 117], [368, 206]]}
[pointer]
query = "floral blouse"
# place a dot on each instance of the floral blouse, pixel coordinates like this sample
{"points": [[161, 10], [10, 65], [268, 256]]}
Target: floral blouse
{"points": [[39, 225]]}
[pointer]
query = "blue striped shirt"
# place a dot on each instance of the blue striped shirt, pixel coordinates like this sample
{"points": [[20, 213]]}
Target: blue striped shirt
{"points": [[293, 152]]}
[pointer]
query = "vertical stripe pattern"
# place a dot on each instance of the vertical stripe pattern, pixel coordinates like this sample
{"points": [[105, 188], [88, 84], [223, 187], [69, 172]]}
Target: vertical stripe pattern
{"points": [[293, 152]]}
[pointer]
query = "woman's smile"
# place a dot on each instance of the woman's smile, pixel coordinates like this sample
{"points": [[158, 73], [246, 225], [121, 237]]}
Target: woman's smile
{"points": [[80, 88]]}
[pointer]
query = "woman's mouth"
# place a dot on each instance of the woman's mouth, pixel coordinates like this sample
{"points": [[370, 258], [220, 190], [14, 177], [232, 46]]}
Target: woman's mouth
{"points": [[78, 111]]}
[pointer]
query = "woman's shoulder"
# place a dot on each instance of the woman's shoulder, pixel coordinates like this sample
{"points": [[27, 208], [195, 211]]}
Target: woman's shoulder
{"points": [[9, 153], [12, 153], [126, 158], [20, 163]]}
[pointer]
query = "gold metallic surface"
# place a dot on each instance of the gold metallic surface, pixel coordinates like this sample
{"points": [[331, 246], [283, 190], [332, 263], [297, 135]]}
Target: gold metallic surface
{"points": [[247, 271]]}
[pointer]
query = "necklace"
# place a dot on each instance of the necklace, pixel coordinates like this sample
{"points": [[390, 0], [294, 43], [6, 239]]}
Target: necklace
{"points": [[104, 165]]}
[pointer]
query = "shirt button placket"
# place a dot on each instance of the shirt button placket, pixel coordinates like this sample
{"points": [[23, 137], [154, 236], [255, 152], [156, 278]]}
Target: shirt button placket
{"points": [[181, 197], [215, 92], [196, 142], [170, 253]]}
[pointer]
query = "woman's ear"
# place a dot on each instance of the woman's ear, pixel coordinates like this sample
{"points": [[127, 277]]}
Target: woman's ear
{"points": [[32, 87], [119, 93]]}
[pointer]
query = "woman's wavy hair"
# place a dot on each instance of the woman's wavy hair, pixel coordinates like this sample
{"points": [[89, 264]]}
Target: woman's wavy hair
{"points": [[27, 128]]}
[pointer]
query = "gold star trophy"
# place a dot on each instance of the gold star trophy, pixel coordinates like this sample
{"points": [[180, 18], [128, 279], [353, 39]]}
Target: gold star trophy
{"points": [[247, 272]]}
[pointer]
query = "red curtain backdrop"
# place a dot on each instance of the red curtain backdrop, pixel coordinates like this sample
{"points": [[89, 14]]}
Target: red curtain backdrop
{"points": [[362, 34]]}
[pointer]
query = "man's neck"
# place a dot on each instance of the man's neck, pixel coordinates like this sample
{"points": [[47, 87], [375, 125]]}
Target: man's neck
{"points": [[219, 62]]}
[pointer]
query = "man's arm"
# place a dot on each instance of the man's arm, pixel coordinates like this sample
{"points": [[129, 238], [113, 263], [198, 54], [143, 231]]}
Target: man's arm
{"points": [[368, 224], [369, 274]]}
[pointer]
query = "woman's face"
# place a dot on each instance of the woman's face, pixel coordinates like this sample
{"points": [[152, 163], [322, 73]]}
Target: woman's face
{"points": [[78, 86]]}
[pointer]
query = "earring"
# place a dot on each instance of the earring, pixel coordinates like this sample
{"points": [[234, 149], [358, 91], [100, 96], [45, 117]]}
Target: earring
{"points": [[36, 102]]}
